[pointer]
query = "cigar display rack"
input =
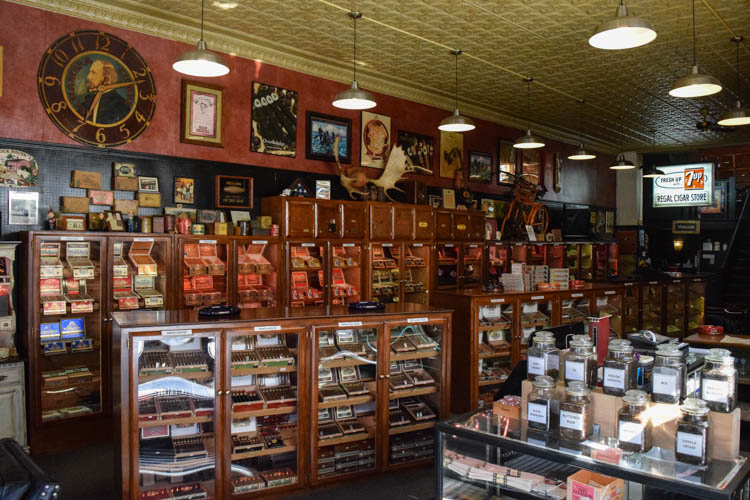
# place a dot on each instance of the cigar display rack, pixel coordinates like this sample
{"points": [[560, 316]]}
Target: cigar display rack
{"points": [[207, 274], [346, 273], [257, 280]]}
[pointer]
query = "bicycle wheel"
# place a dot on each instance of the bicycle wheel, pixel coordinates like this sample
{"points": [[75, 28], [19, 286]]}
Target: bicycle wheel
{"points": [[539, 218]]}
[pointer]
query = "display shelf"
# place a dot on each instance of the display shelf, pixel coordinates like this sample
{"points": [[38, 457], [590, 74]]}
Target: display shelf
{"points": [[187, 376], [283, 410], [348, 401], [485, 383], [348, 438], [406, 356], [492, 355], [265, 452], [175, 421], [263, 370], [394, 431], [419, 391], [340, 363]]}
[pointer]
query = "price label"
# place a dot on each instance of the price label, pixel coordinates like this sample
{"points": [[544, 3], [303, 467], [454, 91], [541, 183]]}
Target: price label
{"points": [[614, 378], [176, 333], [690, 444], [715, 390], [271, 328], [576, 295], [536, 365], [537, 413], [449, 245], [348, 245], [538, 297], [418, 245], [143, 239], [207, 242], [387, 245], [349, 324], [497, 301], [308, 244], [609, 292], [653, 282], [630, 432], [71, 238], [664, 384], [417, 320], [574, 370], [260, 242], [628, 284]]}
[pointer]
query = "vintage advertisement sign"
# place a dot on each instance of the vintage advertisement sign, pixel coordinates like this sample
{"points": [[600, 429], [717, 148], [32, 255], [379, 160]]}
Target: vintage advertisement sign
{"points": [[684, 186]]}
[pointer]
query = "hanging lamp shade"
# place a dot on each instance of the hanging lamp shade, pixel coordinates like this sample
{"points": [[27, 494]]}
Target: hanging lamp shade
{"points": [[652, 173], [735, 117], [622, 32], [622, 163], [457, 123], [581, 154], [354, 98], [201, 62], [695, 84], [528, 141]]}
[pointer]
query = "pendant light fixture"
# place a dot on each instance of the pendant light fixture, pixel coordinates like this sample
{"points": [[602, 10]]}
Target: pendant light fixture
{"points": [[354, 97], [581, 153], [621, 163], [622, 32], [456, 122], [201, 62], [738, 115], [652, 172], [528, 140], [695, 84]]}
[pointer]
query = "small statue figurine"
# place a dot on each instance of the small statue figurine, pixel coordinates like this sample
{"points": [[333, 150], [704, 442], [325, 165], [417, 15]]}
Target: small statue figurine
{"points": [[102, 225], [131, 222], [51, 220]]}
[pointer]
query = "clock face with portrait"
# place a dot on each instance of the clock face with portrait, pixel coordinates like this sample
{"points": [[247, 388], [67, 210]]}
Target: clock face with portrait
{"points": [[96, 88]]}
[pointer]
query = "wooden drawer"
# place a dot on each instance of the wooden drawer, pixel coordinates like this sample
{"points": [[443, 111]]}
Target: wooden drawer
{"points": [[354, 220], [461, 227], [403, 223], [11, 374], [300, 218], [424, 223], [477, 227], [443, 225], [328, 215], [381, 222]]}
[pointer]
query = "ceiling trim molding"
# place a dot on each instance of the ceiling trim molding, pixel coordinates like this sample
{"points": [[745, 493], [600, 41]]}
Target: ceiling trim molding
{"points": [[132, 17]]}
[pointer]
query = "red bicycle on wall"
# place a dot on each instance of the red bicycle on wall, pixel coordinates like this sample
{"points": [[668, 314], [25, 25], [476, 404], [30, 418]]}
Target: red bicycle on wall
{"points": [[524, 210]]}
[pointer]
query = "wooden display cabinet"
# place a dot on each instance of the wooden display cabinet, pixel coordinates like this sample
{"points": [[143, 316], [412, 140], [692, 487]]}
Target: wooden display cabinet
{"points": [[471, 265], [346, 261], [573, 260], [497, 261], [535, 312], [555, 257], [400, 272], [651, 306], [139, 273], [307, 266], [674, 302], [205, 271], [493, 353], [258, 266], [576, 306], [609, 302], [586, 259], [630, 308], [458, 265], [696, 304]]}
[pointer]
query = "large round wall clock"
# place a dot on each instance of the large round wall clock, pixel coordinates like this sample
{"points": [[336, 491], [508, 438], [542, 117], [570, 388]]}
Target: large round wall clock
{"points": [[96, 88]]}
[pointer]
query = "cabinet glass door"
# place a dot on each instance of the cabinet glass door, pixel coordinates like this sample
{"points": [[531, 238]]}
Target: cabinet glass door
{"points": [[536, 314], [307, 268], [651, 304], [497, 259], [610, 304], [447, 265], [571, 260], [385, 276], [494, 347], [139, 268], [536, 256], [472, 262], [69, 318], [601, 261], [344, 409], [263, 421], [696, 301], [346, 273], [257, 280], [175, 408], [630, 309], [587, 261], [414, 379], [416, 267], [204, 272], [675, 308], [575, 308], [556, 256]]}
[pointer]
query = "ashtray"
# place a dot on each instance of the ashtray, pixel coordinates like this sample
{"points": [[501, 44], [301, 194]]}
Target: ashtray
{"points": [[366, 306], [218, 311]]}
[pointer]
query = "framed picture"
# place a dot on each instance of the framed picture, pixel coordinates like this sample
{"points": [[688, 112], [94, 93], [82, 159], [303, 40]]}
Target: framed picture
{"points": [[113, 221], [274, 120], [434, 200], [100, 197], [449, 198], [531, 169], [201, 117], [419, 148], [124, 169], [376, 139], [23, 208], [234, 192], [506, 162], [208, 216], [322, 131], [177, 211], [451, 153], [718, 206], [184, 190], [73, 223], [480, 167], [148, 184]]}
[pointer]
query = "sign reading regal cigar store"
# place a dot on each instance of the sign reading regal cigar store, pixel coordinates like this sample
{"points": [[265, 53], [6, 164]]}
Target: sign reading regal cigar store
{"points": [[96, 88], [684, 186]]}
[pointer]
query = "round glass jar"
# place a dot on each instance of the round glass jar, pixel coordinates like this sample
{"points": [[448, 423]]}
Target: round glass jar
{"points": [[719, 381], [543, 405], [620, 367], [691, 438], [576, 413], [669, 375], [645, 372], [580, 363], [543, 357], [634, 427]]}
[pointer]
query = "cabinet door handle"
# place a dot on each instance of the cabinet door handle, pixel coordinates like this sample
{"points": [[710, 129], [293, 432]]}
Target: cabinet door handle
{"points": [[220, 393], [381, 377], [387, 376]]}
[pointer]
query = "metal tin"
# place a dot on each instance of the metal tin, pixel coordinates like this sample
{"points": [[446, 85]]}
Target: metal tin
{"points": [[199, 229], [275, 230], [145, 224], [183, 225]]}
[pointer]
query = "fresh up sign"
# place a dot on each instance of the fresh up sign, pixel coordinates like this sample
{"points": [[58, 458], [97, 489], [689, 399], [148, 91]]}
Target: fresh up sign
{"points": [[684, 186]]}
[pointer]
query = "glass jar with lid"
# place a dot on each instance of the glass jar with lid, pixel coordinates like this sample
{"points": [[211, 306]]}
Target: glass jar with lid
{"points": [[669, 375], [543, 405], [580, 363], [634, 427], [719, 381], [691, 439], [576, 413], [543, 356], [620, 368]]}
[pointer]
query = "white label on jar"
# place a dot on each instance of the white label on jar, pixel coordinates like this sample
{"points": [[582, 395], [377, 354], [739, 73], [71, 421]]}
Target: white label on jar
{"points": [[614, 378], [537, 413], [664, 384], [574, 370], [630, 432], [689, 444], [536, 365], [571, 420], [715, 390]]}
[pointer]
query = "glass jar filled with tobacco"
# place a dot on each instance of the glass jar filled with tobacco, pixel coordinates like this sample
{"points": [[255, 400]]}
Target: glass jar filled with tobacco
{"points": [[669, 375], [580, 363], [691, 439], [543, 357], [576, 413], [620, 368], [719, 381], [634, 427], [543, 411]]}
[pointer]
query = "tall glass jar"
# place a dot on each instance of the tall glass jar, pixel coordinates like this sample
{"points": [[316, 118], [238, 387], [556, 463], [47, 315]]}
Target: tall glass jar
{"points": [[669, 375], [544, 405], [719, 381], [580, 363], [543, 357], [620, 368], [691, 439], [576, 413], [634, 427]]}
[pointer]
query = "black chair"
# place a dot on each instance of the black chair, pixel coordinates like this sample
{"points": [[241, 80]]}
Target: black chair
{"points": [[21, 478]]}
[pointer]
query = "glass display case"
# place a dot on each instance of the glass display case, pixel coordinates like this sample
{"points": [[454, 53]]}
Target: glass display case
{"points": [[346, 273], [519, 253], [204, 271], [575, 307], [307, 267], [651, 311], [601, 261], [139, 269], [536, 254], [696, 305], [497, 261], [471, 255], [385, 272], [572, 260], [416, 266], [536, 314], [446, 266], [556, 255], [494, 341], [610, 303], [257, 271], [587, 261], [630, 313], [675, 308]]}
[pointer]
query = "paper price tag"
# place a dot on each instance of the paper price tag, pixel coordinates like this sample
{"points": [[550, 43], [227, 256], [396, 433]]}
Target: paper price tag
{"points": [[71, 238], [207, 242], [176, 333], [260, 242], [417, 320], [143, 239], [497, 301], [272, 328], [349, 324]]}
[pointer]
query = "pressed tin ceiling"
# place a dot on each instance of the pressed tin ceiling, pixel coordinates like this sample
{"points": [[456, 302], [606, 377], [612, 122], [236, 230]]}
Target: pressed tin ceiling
{"points": [[404, 50]]}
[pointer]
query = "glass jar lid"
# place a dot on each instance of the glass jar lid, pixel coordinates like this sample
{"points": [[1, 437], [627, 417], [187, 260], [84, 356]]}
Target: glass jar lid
{"points": [[581, 341], [544, 336], [620, 345], [544, 381], [646, 360], [577, 388], [695, 406], [669, 350], [635, 397], [720, 356]]}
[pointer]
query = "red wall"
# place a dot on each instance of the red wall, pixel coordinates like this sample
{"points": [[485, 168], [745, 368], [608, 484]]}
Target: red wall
{"points": [[23, 117]]}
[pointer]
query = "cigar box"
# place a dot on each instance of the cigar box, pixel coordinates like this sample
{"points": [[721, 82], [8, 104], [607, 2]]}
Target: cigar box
{"points": [[51, 415], [420, 340], [397, 418], [157, 224], [341, 259], [272, 439], [246, 444], [49, 332], [412, 260], [149, 200], [188, 449], [79, 373], [419, 411], [203, 407], [72, 328], [328, 388], [155, 432], [54, 378], [120, 268], [52, 348], [350, 381], [188, 492], [244, 265], [189, 361], [140, 256], [126, 206], [172, 407], [255, 260], [125, 184], [122, 292], [156, 494], [400, 382], [416, 374], [85, 179], [275, 356], [75, 293], [145, 288], [243, 401], [49, 260], [399, 343], [209, 256], [82, 345], [276, 397], [78, 256], [485, 349], [244, 484], [329, 431], [75, 204], [244, 360], [74, 411], [153, 363], [147, 411], [193, 299], [192, 260], [279, 477], [300, 257], [346, 340]]}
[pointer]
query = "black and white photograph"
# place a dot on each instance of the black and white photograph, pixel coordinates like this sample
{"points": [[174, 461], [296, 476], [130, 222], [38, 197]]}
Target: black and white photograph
{"points": [[23, 208]]}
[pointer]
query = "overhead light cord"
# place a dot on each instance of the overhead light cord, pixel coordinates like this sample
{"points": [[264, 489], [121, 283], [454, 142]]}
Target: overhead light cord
{"points": [[457, 53], [202, 6], [354, 59], [695, 59]]}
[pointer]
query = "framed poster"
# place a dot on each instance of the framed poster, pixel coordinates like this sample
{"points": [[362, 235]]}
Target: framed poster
{"points": [[449, 198], [531, 170], [234, 192], [23, 208], [17, 169], [419, 148], [480, 167], [148, 184], [718, 206], [322, 131], [273, 120], [506, 162], [376, 139], [202, 106], [451, 153], [184, 190]]}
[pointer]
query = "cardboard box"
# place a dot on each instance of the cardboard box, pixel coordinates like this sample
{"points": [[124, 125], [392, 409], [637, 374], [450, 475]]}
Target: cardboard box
{"points": [[589, 485], [126, 206], [664, 417], [150, 200], [513, 412], [605, 408], [125, 184], [724, 435], [75, 204], [86, 180]]}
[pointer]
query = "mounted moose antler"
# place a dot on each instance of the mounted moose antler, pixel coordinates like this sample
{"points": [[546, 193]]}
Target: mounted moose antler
{"points": [[354, 179]]}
